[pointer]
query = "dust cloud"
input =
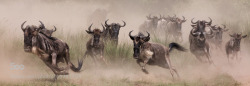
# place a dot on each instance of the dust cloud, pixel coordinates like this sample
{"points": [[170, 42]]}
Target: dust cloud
{"points": [[75, 16]]}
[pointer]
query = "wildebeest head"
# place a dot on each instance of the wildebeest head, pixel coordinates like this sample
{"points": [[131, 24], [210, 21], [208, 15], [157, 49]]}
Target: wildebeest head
{"points": [[29, 33], [199, 29], [154, 20], [45, 30], [96, 33], [114, 29], [138, 41], [237, 39], [178, 21], [218, 31]]}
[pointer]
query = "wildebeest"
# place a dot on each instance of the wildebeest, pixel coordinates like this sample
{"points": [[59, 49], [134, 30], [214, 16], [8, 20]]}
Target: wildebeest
{"points": [[153, 53], [151, 24], [112, 31], [50, 51], [95, 45], [197, 38], [174, 28], [233, 45], [218, 33], [45, 30]]}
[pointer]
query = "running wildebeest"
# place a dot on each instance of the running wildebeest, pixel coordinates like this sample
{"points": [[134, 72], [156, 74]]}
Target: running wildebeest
{"points": [[151, 24], [153, 53], [233, 45], [174, 28], [197, 38], [112, 31], [95, 45], [50, 51], [218, 33]]}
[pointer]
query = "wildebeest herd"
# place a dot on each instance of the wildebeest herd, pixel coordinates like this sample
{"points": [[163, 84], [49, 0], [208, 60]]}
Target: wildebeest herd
{"points": [[51, 50]]}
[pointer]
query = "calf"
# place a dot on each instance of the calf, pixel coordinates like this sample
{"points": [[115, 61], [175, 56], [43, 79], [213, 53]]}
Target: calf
{"points": [[233, 45]]}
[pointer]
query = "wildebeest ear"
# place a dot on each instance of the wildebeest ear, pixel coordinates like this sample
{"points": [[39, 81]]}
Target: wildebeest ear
{"points": [[89, 32], [244, 36]]}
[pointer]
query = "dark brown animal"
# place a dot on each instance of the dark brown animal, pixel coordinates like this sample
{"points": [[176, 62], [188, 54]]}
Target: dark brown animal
{"points": [[218, 33], [197, 38], [233, 45], [95, 45], [51, 52], [112, 31], [151, 24], [174, 28], [153, 53]]}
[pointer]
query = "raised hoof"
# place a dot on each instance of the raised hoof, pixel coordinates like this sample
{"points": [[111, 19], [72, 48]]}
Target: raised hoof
{"points": [[145, 71]]}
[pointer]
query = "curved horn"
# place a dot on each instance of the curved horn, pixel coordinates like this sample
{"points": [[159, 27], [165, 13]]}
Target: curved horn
{"points": [[124, 23], [210, 22], [42, 25], [107, 23], [193, 22], [131, 37], [90, 27], [103, 28], [146, 39], [54, 29], [22, 25], [192, 32], [148, 34]]}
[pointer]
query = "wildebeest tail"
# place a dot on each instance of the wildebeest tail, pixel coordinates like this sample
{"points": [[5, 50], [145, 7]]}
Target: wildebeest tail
{"points": [[176, 46], [73, 67], [77, 69]]}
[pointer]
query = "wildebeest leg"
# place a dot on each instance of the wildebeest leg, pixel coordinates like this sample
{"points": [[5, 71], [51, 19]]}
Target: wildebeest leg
{"points": [[54, 55], [138, 61], [228, 57], [208, 54], [67, 59], [143, 66], [56, 71], [170, 67], [55, 78], [237, 58], [199, 58], [94, 58], [104, 60]]}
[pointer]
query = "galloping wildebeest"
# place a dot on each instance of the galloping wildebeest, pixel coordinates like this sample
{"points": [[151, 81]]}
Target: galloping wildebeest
{"points": [[233, 45], [151, 24], [218, 33], [95, 45], [197, 38], [174, 28], [153, 53], [112, 31], [50, 51]]}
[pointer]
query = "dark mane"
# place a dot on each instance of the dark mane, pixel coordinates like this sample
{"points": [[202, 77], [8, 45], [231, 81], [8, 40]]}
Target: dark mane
{"points": [[46, 43]]}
